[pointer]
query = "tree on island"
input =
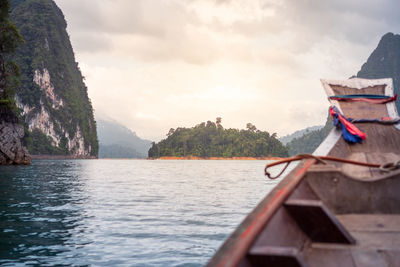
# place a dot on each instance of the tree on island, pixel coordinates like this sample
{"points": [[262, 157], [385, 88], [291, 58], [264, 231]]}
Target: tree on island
{"points": [[171, 132], [218, 121], [251, 127]]}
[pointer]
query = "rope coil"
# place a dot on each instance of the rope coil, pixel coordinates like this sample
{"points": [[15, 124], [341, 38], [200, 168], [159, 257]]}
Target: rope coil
{"points": [[386, 167], [391, 166]]}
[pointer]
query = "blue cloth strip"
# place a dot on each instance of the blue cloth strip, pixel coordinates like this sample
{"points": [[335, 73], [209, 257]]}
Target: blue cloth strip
{"points": [[362, 96], [347, 135], [389, 122]]}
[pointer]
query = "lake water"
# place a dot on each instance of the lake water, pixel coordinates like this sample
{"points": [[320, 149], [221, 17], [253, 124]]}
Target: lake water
{"points": [[123, 212]]}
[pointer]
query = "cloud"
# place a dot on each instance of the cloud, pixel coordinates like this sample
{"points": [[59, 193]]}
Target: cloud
{"points": [[159, 64], [353, 21], [92, 42]]}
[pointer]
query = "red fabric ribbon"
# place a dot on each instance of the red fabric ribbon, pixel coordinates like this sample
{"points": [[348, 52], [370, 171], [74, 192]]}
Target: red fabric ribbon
{"points": [[351, 128]]}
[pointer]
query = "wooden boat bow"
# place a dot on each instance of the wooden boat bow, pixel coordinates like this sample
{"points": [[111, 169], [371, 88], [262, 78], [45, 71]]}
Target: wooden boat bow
{"points": [[330, 215]]}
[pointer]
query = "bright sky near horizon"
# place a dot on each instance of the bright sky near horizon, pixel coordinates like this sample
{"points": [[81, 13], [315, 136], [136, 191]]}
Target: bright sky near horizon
{"points": [[153, 65]]}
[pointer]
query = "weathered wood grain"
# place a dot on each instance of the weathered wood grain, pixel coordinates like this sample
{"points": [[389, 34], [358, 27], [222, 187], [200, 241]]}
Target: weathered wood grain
{"points": [[333, 215]]}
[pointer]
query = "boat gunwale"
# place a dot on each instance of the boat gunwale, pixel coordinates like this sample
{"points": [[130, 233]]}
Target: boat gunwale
{"points": [[234, 249], [238, 243]]}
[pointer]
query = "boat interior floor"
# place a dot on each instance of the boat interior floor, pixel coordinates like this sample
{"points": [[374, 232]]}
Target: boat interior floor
{"points": [[335, 214], [377, 243], [332, 219]]}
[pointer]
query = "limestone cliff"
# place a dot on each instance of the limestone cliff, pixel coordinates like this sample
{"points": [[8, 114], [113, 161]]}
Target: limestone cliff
{"points": [[52, 95], [12, 150], [384, 62]]}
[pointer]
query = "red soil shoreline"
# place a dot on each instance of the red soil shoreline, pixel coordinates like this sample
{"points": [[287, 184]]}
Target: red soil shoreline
{"points": [[215, 158], [61, 157]]}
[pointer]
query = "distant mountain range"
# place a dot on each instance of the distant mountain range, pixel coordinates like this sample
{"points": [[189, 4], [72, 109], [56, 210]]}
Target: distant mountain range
{"points": [[308, 142], [117, 141], [384, 62], [287, 138]]}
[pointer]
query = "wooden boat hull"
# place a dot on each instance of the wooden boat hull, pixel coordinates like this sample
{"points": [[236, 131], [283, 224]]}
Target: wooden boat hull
{"points": [[330, 215]]}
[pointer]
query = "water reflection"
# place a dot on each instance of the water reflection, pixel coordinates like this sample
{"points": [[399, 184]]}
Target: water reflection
{"points": [[40, 211], [124, 212]]}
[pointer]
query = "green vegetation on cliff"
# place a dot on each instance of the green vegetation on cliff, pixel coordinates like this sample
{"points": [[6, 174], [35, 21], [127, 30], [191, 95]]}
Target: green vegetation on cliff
{"points": [[52, 93], [310, 140], [10, 38], [212, 140], [299, 133]]}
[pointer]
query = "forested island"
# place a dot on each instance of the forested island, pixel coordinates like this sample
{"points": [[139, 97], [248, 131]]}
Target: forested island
{"points": [[211, 139]]}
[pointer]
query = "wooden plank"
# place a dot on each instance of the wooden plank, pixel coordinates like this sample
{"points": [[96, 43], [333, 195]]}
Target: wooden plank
{"points": [[361, 109], [371, 236], [261, 230], [316, 257], [373, 157], [377, 240], [276, 257], [355, 170], [363, 258], [318, 222], [341, 255], [281, 231], [235, 248], [371, 222], [392, 257], [381, 158], [380, 138], [304, 191], [344, 195]]}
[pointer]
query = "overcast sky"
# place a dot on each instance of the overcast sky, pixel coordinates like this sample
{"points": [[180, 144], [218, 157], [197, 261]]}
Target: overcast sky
{"points": [[153, 65]]}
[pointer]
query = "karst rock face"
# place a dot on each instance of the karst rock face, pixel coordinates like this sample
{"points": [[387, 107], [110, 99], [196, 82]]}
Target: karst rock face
{"points": [[12, 150], [384, 62], [52, 96]]}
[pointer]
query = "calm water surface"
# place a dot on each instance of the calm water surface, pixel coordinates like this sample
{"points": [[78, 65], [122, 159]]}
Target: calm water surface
{"points": [[123, 212]]}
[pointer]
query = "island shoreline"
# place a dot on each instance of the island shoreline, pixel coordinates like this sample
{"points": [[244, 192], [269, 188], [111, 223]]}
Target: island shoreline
{"points": [[65, 157], [215, 158]]}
